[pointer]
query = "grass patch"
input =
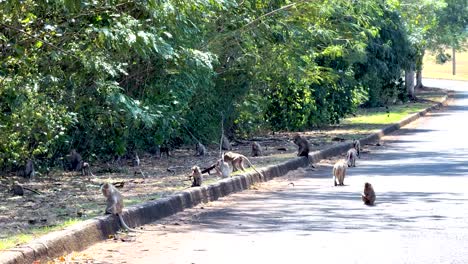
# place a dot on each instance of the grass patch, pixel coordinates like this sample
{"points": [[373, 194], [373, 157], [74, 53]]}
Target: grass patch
{"points": [[380, 116], [368, 120], [444, 71], [15, 240]]}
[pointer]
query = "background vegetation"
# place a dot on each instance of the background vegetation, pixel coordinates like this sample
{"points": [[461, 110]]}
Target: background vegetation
{"points": [[111, 77]]}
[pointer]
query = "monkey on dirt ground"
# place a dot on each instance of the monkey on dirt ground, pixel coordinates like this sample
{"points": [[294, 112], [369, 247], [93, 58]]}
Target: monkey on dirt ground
{"points": [[75, 160], [196, 176], [114, 203], [256, 149], [29, 172], [368, 196], [303, 145], [86, 169], [237, 161], [136, 160], [339, 172], [226, 145], [200, 149], [222, 168], [351, 157], [78, 164]]}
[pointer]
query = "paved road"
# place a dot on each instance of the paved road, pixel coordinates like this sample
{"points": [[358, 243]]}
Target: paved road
{"points": [[420, 175]]}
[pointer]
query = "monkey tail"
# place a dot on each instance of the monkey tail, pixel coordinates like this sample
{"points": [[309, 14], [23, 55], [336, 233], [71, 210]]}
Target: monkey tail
{"points": [[251, 165], [125, 226]]}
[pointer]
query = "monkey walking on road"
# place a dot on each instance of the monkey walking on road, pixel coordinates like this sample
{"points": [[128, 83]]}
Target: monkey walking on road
{"points": [[114, 203], [357, 146], [339, 172], [351, 157]]}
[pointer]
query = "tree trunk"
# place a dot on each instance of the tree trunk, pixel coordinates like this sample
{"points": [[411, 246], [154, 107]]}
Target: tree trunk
{"points": [[454, 65], [418, 79], [409, 82]]}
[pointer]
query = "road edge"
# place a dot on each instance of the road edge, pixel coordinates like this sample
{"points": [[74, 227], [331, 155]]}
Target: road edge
{"points": [[80, 236]]}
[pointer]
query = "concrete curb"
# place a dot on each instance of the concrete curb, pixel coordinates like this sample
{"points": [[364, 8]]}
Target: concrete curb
{"points": [[80, 236]]}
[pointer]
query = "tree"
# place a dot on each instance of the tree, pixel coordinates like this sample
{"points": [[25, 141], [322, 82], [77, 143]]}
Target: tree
{"points": [[451, 29]]}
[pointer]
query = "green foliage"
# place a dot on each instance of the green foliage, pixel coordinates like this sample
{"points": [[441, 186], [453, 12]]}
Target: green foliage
{"points": [[111, 77]]}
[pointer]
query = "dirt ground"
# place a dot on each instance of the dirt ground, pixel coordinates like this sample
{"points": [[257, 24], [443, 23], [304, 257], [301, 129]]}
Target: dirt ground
{"points": [[65, 196]]}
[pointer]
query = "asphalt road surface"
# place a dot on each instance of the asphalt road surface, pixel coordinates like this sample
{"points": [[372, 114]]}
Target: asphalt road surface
{"points": [[420, 175]]}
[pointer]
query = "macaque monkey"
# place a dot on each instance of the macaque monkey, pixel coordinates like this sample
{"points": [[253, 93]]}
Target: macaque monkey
{"points": [[222, 168], [357, 146], [351, 157], [75, 160], [256, 149], [368, 196], [226, 145], [136, 160], [200, 149], [86, 169], [237, 161], [303, 145], [29, 171], [164, 149], [339, 172], [114, 203], [196, 176]]}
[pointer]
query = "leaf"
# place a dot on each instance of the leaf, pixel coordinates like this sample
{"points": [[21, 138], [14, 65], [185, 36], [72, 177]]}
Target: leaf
{"points": [[38, 44]]}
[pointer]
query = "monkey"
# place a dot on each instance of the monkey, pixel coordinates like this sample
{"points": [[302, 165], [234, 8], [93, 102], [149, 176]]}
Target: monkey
{"points": [[29, 172], [222, 168], [196, 176], [75, 160], [226, 145], [86, 169], [256, 149], [114, 203], [136, 160], [164, 149], [237, 161], [357, 146], [368, 196], [339, 172], [351, 157], [200, 149], [17, 190], [136, 163], [303, 145]]}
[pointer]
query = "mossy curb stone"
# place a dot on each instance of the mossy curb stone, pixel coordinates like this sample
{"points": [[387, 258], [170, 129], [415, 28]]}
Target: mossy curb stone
{"points": [[82, 235]]}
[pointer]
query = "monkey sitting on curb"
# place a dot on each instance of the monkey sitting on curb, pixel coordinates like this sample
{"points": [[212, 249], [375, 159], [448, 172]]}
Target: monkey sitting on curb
{"points": [[114, 203], [303, 145], [368, 196]]}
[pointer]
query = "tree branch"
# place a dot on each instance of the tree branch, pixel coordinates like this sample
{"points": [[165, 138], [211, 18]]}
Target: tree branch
{"points": [[36, 38]]}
